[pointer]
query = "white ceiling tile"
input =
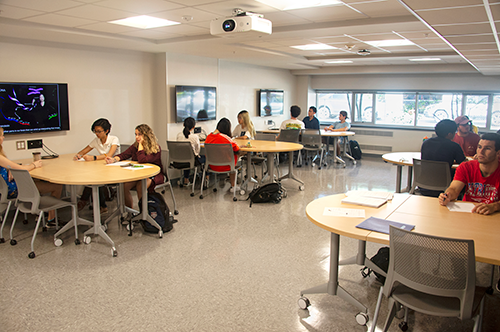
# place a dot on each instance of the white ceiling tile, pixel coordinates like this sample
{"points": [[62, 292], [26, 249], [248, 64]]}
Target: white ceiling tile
{"points": [[150, 34], [455, 15], [183, 29], [225, 8], [59, 20], [42, 5], [107, 27], [457, 40], [381, 8], [458, 29], [477, 46], [431, 4], [193, 2], [177, 14], [93, 12], [327, 13], [140, 7], [17, 13], [281, 18]]}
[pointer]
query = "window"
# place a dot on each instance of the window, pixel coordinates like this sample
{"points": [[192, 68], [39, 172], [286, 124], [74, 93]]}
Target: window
{"points": [[395, 108], [495, 113], [363, 111], [331, 103], [476, 108], [434, 107]]}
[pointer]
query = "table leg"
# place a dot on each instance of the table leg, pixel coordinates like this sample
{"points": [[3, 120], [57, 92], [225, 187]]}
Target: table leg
{"points": [[270, 166], [332, 287], [75, 220], [145, 215], [399, 172], [337, 158], [290, 174], [409, 180], [249, 178]]}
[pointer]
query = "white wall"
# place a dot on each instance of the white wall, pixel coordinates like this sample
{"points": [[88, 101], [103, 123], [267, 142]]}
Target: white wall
{"points": [[116, 85], [237, 85]]}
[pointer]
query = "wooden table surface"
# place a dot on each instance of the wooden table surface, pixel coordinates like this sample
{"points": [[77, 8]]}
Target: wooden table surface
{"points": [[267, 146], [401, 158]]}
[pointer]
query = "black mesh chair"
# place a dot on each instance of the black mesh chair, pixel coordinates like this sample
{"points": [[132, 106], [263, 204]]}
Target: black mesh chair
{"points": [[430, 175], [311, 140]]}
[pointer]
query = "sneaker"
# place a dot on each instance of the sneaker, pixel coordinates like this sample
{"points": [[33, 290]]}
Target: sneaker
{"points": [[51, 223], [104, 210], [233, 189]]}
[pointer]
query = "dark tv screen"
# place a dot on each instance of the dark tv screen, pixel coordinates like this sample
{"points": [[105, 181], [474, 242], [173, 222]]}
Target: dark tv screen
{"points": [[198, 102], [271, 102], [33, 107]]}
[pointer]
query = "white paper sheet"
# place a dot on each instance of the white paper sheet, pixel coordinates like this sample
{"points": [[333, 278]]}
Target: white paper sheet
{"points": [[460, 206], [343, 212], [119, 163], [137, 166], [371, 194]]}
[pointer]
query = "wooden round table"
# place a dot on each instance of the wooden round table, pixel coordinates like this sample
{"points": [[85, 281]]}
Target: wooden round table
{"points": [[401, 159]]}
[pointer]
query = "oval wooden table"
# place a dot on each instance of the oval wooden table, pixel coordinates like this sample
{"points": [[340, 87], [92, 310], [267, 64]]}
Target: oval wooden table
{"points": [[64, 170], [271, 148], [336, 135], [401, 159]]}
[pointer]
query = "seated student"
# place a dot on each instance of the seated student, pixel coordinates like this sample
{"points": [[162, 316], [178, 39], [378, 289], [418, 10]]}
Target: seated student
{"points": [[106, 146], [44, 187], [465, 137], [245, 128], [481, 178], [293, 122], [341, 125], [222, 135], [311, 121], [144, 150], [188, 134]]}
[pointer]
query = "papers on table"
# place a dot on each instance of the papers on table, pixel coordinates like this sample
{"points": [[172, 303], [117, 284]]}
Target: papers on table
{"points": [[371, 194], [120, 163], [382, 225], [460, 206], [364, 201], [343, 212], [128, 165]]}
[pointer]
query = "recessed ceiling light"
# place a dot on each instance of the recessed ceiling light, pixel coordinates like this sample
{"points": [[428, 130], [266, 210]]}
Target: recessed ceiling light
{"points": [[297, 4], [425, 59], [390, 42], [144, 22], [339, 61], [313, 47]]}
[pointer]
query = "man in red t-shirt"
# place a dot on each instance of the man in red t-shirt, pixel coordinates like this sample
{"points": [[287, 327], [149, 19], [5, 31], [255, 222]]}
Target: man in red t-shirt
{"points": [[481, 178], [465, 137]]}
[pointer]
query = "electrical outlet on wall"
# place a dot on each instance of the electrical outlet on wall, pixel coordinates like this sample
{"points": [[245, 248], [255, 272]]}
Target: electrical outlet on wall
{"points": [[21, 145]]}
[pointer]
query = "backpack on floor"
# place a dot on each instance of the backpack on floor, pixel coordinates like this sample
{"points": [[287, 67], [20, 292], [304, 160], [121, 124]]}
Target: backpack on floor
{"points": [[159, 211], [271, 192], [355, 149], [381, 259]]}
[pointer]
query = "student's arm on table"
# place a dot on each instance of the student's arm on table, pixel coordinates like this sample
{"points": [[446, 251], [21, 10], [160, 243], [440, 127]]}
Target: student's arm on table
{"points": [[451, 192], [82, 154], [486, 208]]}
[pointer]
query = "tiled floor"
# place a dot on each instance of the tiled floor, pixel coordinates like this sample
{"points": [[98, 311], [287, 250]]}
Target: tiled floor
{"points": [[224, 267]]}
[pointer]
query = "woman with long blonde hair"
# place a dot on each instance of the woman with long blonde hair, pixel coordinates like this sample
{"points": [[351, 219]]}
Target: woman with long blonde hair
{"points": [[144, 150], [245, 128]]}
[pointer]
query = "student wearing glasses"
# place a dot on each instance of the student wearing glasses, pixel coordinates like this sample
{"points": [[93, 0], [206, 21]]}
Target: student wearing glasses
{"points": [[106, 146], [465, 137]]}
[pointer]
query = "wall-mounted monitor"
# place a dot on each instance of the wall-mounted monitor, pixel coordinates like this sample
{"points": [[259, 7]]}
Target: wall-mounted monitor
{"points": [[271, 102], [33, 107], [198, 102]]}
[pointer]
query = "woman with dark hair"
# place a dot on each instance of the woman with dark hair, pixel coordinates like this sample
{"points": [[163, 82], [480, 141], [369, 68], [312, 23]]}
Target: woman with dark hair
{"points": [[106, 146], [222, 135], [188, 134], [144, 150]]}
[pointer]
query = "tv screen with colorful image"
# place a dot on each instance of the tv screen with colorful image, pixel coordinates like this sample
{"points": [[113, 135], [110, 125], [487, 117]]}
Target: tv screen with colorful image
{"points": [[198, 102]]}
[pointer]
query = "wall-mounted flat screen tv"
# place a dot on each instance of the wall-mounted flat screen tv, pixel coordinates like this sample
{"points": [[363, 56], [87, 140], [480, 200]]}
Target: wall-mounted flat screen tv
{"points": [[33, 107], [198, 102], [271, 102]]}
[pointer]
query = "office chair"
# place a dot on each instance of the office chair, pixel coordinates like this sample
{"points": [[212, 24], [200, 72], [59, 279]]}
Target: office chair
{"points": [[181, 156], [219, 155], [29, 200], [432, 275], [430, 175], [291, 136], [311, 140], [5, 204], [161, 187]]}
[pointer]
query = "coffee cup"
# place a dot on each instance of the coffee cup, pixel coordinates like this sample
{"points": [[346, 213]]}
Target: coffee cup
{"points": [[37, 156]]}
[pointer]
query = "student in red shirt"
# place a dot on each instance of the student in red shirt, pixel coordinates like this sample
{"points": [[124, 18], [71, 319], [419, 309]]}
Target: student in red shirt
{"points": [[465, 137], [481, 178], [222, 135]]}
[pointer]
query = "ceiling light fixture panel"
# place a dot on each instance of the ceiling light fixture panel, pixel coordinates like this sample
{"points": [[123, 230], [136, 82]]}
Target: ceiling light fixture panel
{"points": [[339, 61], [144, 22], [425, 59], [390, 42], [314, 47], [299, 4]]}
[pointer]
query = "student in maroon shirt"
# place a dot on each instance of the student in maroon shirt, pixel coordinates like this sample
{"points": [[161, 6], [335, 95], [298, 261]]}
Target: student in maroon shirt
{"points": [[465, 137]]}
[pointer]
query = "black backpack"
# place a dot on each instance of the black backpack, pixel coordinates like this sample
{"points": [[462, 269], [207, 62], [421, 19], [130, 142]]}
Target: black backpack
{"points": [[159, 211], [271, 192], [355, 149], [381, 259]]}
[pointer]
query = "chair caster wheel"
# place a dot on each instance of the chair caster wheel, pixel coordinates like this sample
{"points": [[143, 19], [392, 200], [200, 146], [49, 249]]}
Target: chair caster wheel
{"points": [[44, 229], [58, 242], [114, 253], [13, 242], [403, 326], [303, 303], [25, 221], [362, 318], [242, 192], [354, 162], [176, 212], [130, 227], [301, 188], [2, 240], [489, 290], [31, 255], [192, 194], [234, 199], [201, 196], [319, 167], [87, 239], [77, 242], [215, 190], [160, 234]]}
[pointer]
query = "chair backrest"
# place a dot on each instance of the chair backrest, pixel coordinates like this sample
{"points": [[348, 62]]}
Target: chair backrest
{"points": [[26, 189], [4, 192], [432, 175], [289, 135], [219, 155], [124, 147], [265, 137], [181, 152], [433, 265], [311, 138]]}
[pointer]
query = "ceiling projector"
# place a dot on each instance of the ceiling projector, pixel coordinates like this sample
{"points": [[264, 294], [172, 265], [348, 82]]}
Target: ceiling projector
{"points": [[248, 23]]}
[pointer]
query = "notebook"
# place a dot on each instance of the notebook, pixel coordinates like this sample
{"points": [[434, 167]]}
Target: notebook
{"points": [[382, 225], [364, 201]]}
